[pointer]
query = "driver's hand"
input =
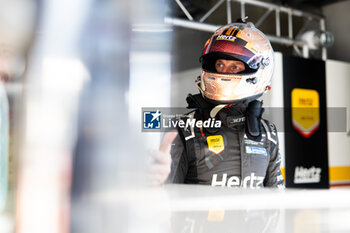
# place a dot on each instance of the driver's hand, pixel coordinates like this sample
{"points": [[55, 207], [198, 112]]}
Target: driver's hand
{"points": [[160, 168]]}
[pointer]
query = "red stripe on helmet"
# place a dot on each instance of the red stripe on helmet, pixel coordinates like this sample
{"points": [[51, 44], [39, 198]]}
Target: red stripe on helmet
{"points": [[206, 46]]}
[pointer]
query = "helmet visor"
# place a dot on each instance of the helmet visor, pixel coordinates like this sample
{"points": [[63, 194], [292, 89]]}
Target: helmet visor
{"points": [[235, 47]]}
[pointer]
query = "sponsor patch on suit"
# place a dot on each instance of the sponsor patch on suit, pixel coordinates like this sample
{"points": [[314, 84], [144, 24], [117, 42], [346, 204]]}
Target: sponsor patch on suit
{"points": [[255, 150]]}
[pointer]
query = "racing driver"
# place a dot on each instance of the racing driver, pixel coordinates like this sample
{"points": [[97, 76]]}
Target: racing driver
{"points": [[237, 66]]}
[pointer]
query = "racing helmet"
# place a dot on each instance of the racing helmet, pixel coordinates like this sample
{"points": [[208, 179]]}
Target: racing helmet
{"points": [[242, 42]]}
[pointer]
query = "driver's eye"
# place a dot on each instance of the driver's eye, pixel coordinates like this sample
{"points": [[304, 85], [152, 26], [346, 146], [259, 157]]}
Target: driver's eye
{"points": [[235, 68]]}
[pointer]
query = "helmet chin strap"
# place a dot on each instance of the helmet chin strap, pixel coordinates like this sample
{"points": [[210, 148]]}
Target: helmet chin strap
{"points": [[217, 109]]}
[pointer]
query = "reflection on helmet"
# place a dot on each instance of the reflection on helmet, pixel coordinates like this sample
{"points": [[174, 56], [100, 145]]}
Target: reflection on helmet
{"points": [[242, 42]]}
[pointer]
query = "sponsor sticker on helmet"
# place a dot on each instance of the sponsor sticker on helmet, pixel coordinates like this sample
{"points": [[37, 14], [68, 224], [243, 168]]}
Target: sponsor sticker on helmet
{"points": [[215, 143]]}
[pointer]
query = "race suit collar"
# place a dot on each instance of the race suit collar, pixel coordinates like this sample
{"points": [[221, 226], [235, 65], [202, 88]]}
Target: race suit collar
{"points": [[229, 114]]}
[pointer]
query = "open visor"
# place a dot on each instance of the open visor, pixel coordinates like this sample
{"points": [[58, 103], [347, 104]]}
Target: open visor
{"points": [[232, 48]]}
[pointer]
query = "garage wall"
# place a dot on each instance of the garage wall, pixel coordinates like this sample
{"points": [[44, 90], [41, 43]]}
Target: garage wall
{"points": [[338, 95]]}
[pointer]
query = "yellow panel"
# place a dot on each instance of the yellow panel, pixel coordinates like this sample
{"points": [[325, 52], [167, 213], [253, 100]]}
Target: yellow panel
{"points": [[283, 171], [305, 110], [339, 173], [305, 98]]}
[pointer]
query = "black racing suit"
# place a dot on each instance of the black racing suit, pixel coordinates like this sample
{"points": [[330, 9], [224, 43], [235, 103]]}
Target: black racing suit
{"points": [[226, 156]]}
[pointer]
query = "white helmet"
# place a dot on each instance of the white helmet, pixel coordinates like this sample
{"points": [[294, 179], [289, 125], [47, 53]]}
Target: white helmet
{"points": [[243, 42]]}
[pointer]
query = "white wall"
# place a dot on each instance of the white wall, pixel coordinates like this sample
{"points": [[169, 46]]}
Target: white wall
{"points": [[338, 95], [182, 83]]}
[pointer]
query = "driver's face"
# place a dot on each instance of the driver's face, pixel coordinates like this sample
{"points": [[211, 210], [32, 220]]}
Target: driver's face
{"points": [[229, 66]]}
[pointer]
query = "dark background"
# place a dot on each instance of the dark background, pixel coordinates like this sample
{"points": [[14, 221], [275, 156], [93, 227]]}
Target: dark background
{"points": [[301, 151]]}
